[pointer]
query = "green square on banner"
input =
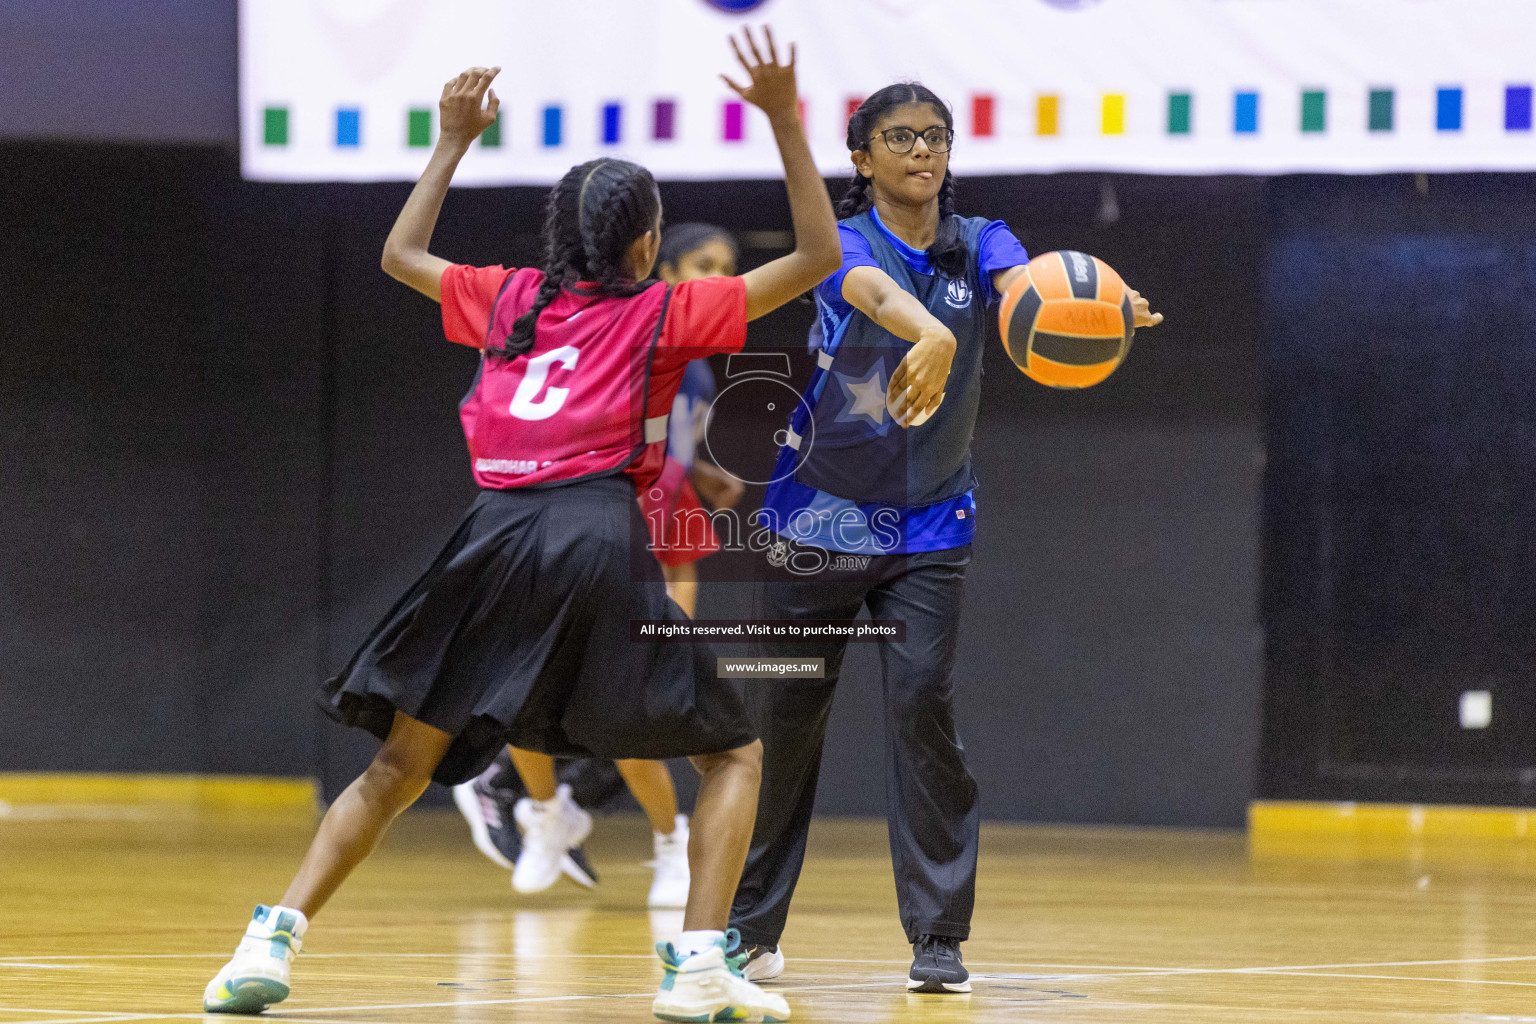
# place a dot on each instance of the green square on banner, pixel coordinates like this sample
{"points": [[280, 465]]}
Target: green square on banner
{"points": [[1179, 107], [1381, 110], [491, 137], [1314, 111], [418, 127], [275, 126]]}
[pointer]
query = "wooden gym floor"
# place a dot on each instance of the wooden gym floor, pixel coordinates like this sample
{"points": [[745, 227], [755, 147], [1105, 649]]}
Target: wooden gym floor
{"points": [[121, 913]]}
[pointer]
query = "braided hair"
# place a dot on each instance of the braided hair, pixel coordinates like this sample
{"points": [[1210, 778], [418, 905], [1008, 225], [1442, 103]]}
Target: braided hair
{"points": [[590, 220], [948, 252]]}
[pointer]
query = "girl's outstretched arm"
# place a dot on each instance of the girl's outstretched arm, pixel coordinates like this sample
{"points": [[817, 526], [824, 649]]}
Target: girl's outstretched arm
{"points": [[406, 258], [918, 383], [817, 254]]}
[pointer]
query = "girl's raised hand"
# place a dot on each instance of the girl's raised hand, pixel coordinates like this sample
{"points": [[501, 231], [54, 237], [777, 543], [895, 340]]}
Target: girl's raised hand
{"points": [[464, 109], [770, 85]]}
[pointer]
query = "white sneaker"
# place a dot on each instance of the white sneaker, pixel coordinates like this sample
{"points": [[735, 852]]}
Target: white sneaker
{"points": [[257, 977], [706, 987], [763, 964], [550, 828], [669, 885]]}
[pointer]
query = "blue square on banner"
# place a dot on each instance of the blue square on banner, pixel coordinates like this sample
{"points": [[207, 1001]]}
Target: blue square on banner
{"points": [[1517, 108], [349, 127], [611, 123], [551, 126], [1448, 110], [1245, 112]]}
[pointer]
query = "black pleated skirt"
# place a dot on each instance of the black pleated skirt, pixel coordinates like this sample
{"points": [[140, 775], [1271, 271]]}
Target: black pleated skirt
{"points": [[519, 633]]}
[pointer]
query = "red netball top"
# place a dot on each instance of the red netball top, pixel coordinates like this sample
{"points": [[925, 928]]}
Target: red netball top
{"points": [[593, 393]]}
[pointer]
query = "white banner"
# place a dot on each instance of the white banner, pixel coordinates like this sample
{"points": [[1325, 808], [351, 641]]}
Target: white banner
{"points": [[346, 90]]}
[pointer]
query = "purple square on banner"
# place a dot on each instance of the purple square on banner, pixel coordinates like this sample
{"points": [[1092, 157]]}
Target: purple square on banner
{"points": [[666, 117], [733, 118]]}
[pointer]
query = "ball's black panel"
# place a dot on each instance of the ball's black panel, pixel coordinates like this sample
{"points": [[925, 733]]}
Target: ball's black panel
{"points": [[1073, 351], [1021, 324], [1082, 273], [1129, 316]]}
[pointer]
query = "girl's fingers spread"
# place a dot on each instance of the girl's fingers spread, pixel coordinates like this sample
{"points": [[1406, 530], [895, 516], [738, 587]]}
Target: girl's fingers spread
{"points": [[740, 57], [791, 55], [773, 51], [493, 104], [738, 90], [752, 45]]}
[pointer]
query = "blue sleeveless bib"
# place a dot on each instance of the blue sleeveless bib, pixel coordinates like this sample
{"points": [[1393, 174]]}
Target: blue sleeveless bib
{"points": [[849, 445]]}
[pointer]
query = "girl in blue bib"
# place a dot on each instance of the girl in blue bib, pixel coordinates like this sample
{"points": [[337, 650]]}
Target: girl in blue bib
{"points": [[873, 507]]}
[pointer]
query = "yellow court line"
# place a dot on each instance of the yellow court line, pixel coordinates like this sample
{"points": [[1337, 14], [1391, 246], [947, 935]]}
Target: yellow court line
{"points": [[210, 790], [1428, 821]]}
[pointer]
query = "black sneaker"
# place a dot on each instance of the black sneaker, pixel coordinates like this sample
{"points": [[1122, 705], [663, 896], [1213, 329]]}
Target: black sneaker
{"points": [[488, 810], [936, 966], [575, 866]]}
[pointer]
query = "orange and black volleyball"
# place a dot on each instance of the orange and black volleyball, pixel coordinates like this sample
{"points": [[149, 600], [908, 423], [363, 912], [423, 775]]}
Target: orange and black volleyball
{"points": [[1067, 320]]}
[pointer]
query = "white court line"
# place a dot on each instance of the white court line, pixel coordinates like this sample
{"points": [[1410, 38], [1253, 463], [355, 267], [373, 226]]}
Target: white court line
{"points": [[805, 960], [298, 1015], [221, 1018], [520, 1000], [1401, 977], [63, 1013], [43, 967]]}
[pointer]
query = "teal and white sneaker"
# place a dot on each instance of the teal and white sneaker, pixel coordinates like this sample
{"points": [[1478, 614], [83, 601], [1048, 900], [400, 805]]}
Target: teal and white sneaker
{"points": [[257, 977], [708, 986]]}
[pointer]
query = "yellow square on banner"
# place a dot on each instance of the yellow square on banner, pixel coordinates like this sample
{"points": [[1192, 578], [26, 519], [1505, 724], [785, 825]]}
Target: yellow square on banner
{"points": [[1046, 109], [1114, 113]]}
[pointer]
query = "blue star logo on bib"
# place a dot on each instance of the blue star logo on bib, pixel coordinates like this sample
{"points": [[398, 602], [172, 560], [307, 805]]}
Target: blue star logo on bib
{"points": [[866, 396]]}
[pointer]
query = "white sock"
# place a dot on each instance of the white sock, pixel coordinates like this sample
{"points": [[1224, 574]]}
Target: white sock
{"points": [[690, 943]]}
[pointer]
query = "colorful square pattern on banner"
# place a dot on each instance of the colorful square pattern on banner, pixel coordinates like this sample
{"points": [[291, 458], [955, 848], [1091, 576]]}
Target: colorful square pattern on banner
{"points": [[330, 91]]}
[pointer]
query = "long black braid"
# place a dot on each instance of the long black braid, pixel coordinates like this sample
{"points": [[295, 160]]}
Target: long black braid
{"points": [[590, 219], [948, 251]]}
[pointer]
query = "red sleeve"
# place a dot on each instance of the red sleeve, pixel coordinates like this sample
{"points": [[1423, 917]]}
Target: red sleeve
{"points": [[706, 316], [468, 296]]}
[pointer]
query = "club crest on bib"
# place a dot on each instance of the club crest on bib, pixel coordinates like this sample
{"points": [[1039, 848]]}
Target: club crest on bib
{"points": [[958, 294]]}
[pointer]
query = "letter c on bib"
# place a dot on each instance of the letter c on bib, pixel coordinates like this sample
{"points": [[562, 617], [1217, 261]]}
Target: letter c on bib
{"points": [[523, 405]]}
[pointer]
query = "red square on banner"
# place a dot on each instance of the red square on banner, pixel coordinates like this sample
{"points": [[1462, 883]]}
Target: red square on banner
{"points": [[981, 116], [854, 103]]}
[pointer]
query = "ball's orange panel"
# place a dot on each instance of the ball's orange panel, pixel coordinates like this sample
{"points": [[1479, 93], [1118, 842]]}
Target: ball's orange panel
{"points": [[1049, 274], [1111, 288], [1060, 375], [1082, 318]]}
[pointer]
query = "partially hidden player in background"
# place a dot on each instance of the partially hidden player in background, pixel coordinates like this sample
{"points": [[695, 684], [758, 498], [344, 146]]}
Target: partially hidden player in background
{"points": [[903, 324], [519, 631], [681, 532], [536, 829]]}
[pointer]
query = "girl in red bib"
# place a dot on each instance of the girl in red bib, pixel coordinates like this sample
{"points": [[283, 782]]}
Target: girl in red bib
{"points": [[519, 632]]}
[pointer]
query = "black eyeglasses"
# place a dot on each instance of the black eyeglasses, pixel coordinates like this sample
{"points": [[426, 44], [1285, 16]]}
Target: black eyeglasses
{"points": [[901, 140]]}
